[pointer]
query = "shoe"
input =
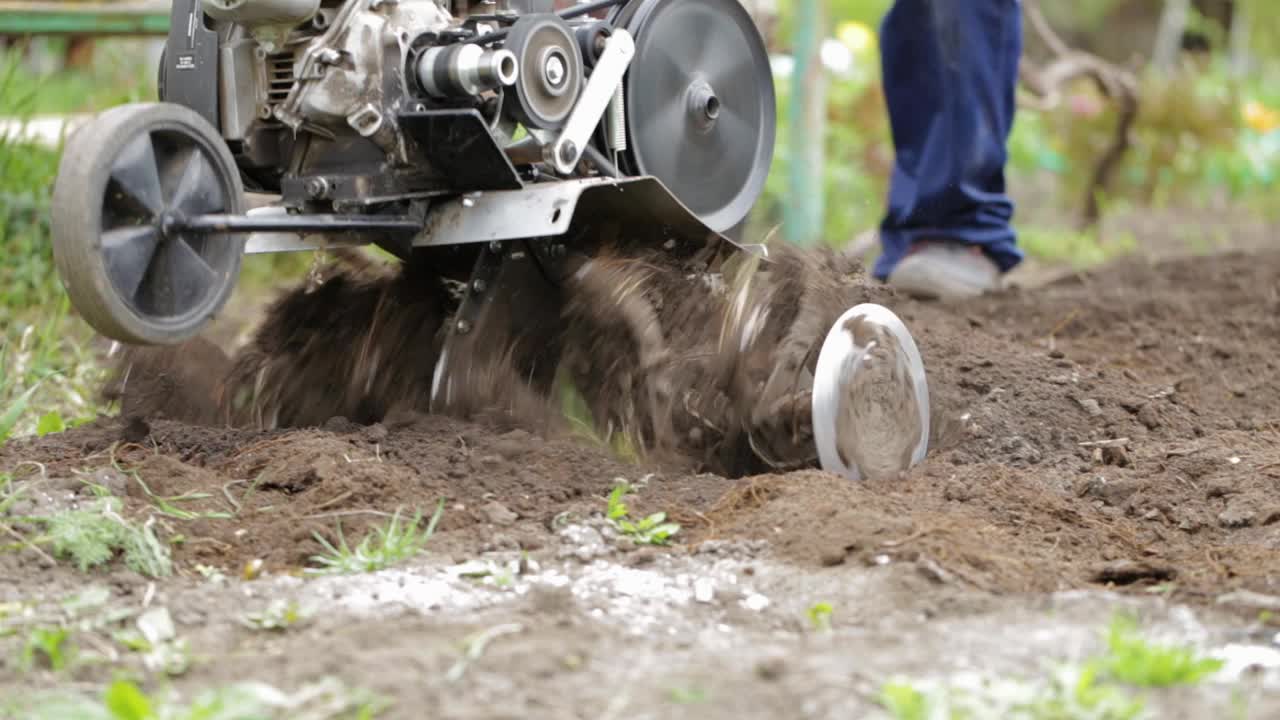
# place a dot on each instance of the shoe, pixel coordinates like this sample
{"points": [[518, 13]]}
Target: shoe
{"points": [[946, 271]]}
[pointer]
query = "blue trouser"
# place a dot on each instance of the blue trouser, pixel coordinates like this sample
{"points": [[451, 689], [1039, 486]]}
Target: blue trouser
{"points": [[950, 71]]}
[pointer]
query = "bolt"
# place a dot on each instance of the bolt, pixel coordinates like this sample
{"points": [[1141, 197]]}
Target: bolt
{"points": [[554, 70], [568, 152], [495, 247], [318, 188], [463, 327], [478, 286]]}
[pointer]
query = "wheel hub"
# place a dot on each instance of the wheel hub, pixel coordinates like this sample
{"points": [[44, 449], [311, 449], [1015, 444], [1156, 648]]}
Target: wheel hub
{"points": [[171, 223], [704, 106]]}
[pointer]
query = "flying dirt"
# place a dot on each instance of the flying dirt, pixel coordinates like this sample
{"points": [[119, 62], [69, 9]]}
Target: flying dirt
{"points": [[720, 379]]}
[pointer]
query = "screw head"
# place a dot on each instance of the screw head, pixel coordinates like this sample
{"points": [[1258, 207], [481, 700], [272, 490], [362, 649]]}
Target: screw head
{"points": [[554, 70], [318, 188], [463, 327], [568, 152], [478, 286]]}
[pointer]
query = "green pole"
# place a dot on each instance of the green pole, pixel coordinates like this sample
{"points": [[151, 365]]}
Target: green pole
{"points": [[803, 215]]}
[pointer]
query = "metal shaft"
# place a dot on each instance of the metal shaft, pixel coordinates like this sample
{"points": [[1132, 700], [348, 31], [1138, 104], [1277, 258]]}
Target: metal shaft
{"points": [[296, 223]]}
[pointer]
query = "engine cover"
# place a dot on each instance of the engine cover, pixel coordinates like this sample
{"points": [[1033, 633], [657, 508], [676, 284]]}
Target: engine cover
{"points": [[267, 20]]}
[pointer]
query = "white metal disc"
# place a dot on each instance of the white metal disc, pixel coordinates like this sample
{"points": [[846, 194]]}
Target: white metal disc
{"points": [[870, 396]]}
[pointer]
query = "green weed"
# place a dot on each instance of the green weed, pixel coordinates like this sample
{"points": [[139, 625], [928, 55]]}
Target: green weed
{"points": [[688, 695], [51, 646], [1097, 689], [904, 702], [1069, 694], [165, 505], [819, 615], [94, 535], [279, 615], [328, 699], [382, 548], [652, 530], [1132, 659]]}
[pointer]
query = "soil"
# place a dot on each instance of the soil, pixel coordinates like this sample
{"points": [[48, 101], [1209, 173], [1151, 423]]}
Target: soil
{"points": [[1116, 431]]}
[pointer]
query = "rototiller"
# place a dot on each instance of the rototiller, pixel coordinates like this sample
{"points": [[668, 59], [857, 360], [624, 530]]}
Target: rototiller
{"points": [[508, 144]]}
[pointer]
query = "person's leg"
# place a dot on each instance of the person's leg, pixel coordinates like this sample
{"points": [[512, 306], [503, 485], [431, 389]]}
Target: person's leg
{"points": [[950, 73]]}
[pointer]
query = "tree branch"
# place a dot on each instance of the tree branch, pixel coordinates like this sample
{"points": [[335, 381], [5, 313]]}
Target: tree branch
{"points": [[1046, 85]]}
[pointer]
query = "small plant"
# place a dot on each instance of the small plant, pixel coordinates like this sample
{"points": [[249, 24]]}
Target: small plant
{"points": [[688, 695], [382, 548], [1133, 660], [51, 645], [12, 413], [327, 699], [279, 615], [1072, 693], [50, 423], [1077, 693], [652, 530], [819, 615], [92, 536], [904, 701]]}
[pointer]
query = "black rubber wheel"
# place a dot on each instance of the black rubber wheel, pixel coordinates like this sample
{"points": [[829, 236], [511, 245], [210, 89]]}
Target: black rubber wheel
{"points": [[701, 106], [164, 51], [120, 178]]}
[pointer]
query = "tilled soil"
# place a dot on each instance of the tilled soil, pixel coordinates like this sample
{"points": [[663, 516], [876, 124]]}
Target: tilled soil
{"points": [[1113, 430]]}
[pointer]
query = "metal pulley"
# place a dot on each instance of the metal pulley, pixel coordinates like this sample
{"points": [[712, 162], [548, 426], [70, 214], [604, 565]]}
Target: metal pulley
{"points": [[551, 71], [700, 104]]}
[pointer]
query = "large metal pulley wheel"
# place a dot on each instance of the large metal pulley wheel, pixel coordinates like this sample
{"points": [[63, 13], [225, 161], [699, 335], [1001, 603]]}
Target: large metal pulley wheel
{"points": [[701, 112], [125, 182], [551, 74]]}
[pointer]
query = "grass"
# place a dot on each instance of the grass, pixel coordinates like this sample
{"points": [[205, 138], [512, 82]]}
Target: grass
{"points": [[327, 699], [47, 368], [1099, 688], [384, 547], [95, 534], [1066, 246], [1133, 660]]}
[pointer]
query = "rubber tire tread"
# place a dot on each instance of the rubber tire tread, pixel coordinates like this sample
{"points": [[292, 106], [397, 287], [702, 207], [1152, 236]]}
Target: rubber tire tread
{"points": [[76, 221]]}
